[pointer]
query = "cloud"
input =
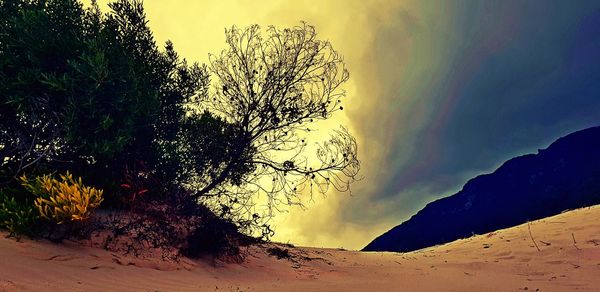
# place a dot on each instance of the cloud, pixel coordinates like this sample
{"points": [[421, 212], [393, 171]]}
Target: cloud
{"points": [[439, 91]]}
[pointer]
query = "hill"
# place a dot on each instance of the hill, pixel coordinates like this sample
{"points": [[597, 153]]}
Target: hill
{"points": [[564, 176]]}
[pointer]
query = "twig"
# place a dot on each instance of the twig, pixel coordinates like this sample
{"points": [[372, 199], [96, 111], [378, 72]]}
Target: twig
{"points": [[574, 241], [529, 227]]}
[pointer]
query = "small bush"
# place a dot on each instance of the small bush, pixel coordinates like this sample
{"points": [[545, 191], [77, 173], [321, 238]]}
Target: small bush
{"points": [[214, 236], [15, 216], [279, 253], [63, 200]]}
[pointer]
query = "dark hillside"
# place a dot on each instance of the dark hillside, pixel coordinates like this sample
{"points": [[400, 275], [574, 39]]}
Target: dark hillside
{"points": [[564, 176]]}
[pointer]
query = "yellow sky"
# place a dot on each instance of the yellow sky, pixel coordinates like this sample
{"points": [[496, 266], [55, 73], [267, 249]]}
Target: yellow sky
{"points": [[197, 29], [420, 71]]}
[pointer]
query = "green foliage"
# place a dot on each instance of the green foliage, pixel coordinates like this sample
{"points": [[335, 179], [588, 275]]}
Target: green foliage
{"points": [[17, 216], [90, 89]]}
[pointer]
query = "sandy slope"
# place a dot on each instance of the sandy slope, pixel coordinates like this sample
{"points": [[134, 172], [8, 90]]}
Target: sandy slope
{"points": [[506, 260]]}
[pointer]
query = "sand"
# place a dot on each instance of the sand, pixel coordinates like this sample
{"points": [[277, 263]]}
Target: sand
{"points": [[505, 260]]}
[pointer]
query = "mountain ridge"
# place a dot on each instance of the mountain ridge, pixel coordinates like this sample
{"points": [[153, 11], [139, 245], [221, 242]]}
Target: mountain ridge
{"points": [[565, 175]]}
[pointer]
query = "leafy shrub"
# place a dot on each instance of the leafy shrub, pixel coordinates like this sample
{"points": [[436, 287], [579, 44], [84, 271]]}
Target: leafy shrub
{"points": [[18, 217], [91, 88], [63, 200]]}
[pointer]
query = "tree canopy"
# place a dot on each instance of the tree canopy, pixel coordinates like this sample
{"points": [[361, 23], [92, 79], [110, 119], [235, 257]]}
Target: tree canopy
{"points": [[88, 91]]}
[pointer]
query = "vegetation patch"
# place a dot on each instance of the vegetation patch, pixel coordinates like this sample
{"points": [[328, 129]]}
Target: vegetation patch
{"points": [[280, 253], [184, 159]]}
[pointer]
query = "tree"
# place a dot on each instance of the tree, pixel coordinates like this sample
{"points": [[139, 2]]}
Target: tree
{"points": [[88, 91], [270, 90], [92, 93], [35, 38]]}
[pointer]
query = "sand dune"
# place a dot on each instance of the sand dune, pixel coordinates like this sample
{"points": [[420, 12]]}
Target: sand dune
{"points": [[505, 260]]}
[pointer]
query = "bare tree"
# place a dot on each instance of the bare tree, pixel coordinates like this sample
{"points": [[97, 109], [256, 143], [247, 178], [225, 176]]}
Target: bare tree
{"points": [[273, 88]]}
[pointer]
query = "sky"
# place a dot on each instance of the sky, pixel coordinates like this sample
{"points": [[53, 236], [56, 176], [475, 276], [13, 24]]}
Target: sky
{"points": [[439, 92]]}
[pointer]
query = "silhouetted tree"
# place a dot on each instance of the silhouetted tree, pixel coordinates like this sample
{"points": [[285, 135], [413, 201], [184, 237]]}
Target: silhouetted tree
{"points": [[270, 88]]}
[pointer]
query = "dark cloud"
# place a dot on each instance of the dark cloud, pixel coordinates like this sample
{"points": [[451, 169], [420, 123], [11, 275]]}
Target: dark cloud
{"points": [[509, 90]]}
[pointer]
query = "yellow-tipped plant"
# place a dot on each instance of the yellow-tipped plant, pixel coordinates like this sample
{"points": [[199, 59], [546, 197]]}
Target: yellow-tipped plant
{"points": [[63, 200]]}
